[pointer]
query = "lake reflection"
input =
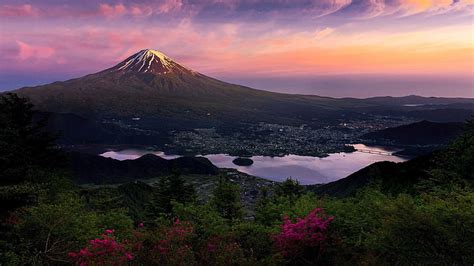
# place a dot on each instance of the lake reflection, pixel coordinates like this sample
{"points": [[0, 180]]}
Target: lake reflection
{"points": [[306, 169]]}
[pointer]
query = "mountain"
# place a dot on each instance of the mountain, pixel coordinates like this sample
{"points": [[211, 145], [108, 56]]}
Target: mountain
{"points": [[152, 91], [420, 133], [151, 86]]}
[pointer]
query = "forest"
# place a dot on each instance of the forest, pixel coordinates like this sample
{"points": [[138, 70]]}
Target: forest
{"points": [[45, 218]]}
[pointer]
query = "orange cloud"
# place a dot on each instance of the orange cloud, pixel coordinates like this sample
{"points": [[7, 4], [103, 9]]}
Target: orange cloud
{"points": [[419, 6]]}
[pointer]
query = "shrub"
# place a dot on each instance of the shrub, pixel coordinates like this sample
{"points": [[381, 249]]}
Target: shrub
{"points": [[218, 250], [48, 231], [170, 245], [304, 239], [105, 250]]}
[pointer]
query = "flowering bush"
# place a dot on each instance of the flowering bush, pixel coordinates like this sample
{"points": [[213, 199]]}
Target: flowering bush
{"points": [[103, 251], [173, 246], [305, 237], [221, 251]]}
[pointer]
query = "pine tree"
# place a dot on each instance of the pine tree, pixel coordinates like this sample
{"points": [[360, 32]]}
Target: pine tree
{"points": [[170, 188], [226, 200], [290, 188]]}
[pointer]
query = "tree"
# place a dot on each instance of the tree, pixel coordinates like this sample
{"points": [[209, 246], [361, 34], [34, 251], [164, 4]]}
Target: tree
{"points": [[226, 200], [170, 189], [25, 148], [28, 162], [462, 153], [290, 188]]}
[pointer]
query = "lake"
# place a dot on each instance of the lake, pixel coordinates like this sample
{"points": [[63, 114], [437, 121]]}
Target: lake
{"points": [[306, 169]]}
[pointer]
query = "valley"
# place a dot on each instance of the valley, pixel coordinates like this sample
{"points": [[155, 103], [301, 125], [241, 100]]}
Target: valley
{"points": [[236, 133]]}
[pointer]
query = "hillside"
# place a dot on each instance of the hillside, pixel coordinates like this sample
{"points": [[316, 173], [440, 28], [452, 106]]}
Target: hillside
{"points": [[451, 165], [172, 94], [72, 129], [392, 177], [87, 168], [159, 93], [420, 133]]}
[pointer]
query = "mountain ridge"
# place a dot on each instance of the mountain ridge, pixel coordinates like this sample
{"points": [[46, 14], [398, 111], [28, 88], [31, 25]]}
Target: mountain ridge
{"points": [[139, 87]]}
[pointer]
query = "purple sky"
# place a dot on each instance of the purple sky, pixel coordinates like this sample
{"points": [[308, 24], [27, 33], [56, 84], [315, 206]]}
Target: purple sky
{"points": [[339, 48]]}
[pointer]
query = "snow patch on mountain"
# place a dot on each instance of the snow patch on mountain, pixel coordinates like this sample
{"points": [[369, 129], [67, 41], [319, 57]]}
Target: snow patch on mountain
{"points": [[148, 61]]}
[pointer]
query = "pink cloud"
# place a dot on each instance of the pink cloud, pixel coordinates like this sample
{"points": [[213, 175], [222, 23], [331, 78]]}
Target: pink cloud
{"points": [[112, 10], [102, 10], [140, 10], [246, 46], [18, 11], [168, 6], [27, 51]]}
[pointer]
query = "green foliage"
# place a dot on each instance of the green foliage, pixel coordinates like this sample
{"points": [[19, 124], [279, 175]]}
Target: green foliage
{"points": [[206, 220], [460, 155], [290, 188], [255, 240], [226, 200], [117, 219], [170, 189], [433, 224], [429, 228], [270, 210], [49, 230]]}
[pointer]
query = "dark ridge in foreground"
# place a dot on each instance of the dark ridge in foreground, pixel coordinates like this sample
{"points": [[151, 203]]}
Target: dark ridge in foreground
{"points": [[87, 168]]}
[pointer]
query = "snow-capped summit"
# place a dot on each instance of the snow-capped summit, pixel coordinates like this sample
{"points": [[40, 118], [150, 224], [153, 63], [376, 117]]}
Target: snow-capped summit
{"points": [[148, 61]]}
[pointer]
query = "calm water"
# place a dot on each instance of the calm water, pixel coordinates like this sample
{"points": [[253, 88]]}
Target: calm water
{"points": [[307, 169]]}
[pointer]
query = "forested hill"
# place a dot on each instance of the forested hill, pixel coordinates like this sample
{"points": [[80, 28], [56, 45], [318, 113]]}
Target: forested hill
{"points": [[420, 133], [452, 164]]}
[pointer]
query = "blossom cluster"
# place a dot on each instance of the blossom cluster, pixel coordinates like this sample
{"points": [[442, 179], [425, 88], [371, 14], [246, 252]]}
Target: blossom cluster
{"points": [[105, 250]]}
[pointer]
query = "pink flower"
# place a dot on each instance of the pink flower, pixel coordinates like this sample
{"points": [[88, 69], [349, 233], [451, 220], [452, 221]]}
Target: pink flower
{"points": [[141, 225], [103, 251], [129, 256], [72, 254], [305, 233]]}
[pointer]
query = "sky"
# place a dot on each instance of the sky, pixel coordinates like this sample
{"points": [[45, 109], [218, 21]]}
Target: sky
{"points": [[340, 48]]}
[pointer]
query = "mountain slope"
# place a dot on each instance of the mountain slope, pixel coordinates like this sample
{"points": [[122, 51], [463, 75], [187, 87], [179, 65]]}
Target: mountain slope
{"points": [[166, 95], [149, 84], [392, 177], [420, 133]]}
